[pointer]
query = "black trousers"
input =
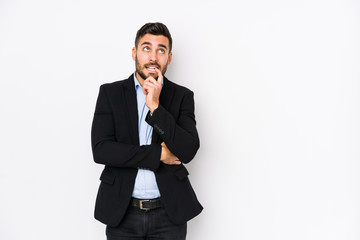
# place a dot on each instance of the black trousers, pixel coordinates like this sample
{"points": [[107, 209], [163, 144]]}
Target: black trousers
{"points": [[151, 225]]}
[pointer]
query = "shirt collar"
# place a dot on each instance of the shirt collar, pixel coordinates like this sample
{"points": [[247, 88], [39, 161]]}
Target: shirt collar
{"points": [[136, 81]]}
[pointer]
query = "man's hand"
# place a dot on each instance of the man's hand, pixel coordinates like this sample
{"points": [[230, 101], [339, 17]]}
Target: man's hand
{"points": [[152, 89], [167, 157]]}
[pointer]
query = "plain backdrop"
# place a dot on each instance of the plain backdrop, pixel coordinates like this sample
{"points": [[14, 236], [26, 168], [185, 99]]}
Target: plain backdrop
{"points": [[277, 95]]}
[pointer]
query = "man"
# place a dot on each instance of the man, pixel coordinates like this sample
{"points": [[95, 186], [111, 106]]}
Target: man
{"points": [[143, 131]]}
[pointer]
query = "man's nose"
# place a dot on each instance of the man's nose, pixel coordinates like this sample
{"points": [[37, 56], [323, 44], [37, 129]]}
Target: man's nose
{"points": [[153, 56]]}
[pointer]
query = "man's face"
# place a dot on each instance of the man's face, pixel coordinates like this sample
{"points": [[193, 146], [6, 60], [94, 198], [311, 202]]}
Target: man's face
{"points": [[151, 52]]}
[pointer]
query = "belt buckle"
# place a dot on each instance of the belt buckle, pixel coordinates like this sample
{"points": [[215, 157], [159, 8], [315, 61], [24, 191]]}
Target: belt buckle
{"points": [[141, 205]]}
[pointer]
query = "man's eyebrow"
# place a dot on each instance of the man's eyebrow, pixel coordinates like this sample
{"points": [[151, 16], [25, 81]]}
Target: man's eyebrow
{"points": [[163, 46], [146, 43], [149, 43]]}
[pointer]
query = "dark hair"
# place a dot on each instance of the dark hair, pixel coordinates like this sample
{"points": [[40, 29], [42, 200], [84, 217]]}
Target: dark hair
{"points": [[156, 28]]}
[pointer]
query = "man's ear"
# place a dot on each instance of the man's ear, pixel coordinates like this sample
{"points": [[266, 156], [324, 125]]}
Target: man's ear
{"points": [[170, 57], [133, 53]]}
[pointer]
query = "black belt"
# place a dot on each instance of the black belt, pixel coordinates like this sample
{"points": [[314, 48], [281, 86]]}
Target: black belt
{"points": [[145, 204]]}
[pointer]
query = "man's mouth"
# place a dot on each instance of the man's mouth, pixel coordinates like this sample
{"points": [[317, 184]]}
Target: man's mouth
{"points": [[152, 68]]}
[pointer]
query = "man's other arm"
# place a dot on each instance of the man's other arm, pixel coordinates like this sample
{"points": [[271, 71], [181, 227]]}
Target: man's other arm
{"points": [[106, 149], [181, 136]]}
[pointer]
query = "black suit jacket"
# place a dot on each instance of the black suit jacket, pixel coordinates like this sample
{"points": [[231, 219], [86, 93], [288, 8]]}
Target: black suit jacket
{"points": [[115, 143]]}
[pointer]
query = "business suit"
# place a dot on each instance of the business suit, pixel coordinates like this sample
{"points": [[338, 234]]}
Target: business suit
{"points": [[115, 143]]}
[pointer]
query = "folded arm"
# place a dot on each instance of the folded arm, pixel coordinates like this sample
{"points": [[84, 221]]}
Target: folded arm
{"points": [[108, 151]]}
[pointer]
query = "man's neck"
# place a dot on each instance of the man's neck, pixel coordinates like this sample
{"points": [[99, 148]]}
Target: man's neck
{"points": [[141, 81]]}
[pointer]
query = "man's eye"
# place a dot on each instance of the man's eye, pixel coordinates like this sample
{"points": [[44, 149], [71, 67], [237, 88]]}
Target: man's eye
{"points": [[161, 51], [146, 49]]}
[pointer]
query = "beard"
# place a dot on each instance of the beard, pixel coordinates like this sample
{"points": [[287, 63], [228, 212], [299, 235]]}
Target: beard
{"points": [[139, 69]]}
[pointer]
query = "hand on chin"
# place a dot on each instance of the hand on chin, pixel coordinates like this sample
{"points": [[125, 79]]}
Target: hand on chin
{"points": [[152, 74]]}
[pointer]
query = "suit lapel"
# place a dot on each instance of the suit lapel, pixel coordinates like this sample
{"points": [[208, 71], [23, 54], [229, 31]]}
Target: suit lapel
{"points": [[166, 94], [131, 103]]}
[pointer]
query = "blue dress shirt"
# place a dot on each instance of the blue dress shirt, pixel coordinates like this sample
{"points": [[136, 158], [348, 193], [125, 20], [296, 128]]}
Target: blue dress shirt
{"points": [[145, 182]]}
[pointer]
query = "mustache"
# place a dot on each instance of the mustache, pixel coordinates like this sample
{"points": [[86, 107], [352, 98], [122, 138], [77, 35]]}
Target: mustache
{"points": [[152, 64]]}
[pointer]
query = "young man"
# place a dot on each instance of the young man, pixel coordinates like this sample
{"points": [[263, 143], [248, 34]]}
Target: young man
{"points": [[143, 131]]}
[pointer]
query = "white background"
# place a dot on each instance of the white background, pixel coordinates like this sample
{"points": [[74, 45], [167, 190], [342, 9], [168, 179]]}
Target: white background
{"points": [[277, 93]]}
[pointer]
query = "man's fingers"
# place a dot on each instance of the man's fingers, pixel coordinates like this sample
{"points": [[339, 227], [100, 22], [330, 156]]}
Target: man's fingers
{"points": [[170, 158], [174, 162], [160, 76], [150, 82], [153, 81], [147, 86]]}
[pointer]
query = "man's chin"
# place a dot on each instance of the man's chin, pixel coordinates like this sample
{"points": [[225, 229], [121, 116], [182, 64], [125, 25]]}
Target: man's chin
{"points": [[145, 76], [142, 75], [154, 75]]}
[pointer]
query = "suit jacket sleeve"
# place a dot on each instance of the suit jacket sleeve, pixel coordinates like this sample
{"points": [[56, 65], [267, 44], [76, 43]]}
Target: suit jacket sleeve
{"points": [[180, 135], [107, 150]]}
